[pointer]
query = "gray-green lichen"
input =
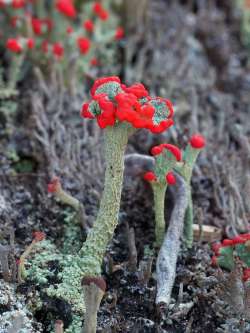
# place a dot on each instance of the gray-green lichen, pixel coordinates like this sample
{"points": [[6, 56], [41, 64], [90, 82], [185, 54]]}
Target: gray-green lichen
{"points": [[111, 88], [37, 269], [72, 240], [75, 326], [15, 316], [45, 252], [161, 110]]}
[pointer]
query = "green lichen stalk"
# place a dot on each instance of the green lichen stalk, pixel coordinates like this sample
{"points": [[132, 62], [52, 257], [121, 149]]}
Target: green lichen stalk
{"points": [[185, 169], [89, 259], [159, 191], [166, 157], [14, 70], [188, 226], [94, 248]]}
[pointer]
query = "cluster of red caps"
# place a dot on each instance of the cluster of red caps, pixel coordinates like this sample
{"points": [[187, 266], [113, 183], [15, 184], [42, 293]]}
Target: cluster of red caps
{"points": [[114, 102], [241, 239], [197, 141], [42, 26], [157, 150]]}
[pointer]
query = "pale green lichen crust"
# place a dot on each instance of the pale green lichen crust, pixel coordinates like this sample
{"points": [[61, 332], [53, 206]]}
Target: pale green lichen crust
{"points": [[75, 326], [37, 266], [17, 317]]}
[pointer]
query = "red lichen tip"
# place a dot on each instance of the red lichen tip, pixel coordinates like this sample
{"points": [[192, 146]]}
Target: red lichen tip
{"points": [[247, 4], [156, 150], [170, 178], [119, 34], [38, 236], [137, 89], [17, 4], [94, 61], [245, 236], [174, 150], [246, 274], [88, 25], [13, 45], [69, 30], [54, 185], [216, 247], [97, 7], [98, 281], [197, 141], [239, 240], [58, 50], [214, 261], [66, 7], [104, 15], [227, 242], [83, 44], [149, 176], [30, 43]]}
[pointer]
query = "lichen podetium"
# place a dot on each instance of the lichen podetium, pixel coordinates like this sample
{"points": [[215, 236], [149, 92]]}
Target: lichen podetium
{"points": [[119, 110], [166, 157], [196, 144], [94, 248]]}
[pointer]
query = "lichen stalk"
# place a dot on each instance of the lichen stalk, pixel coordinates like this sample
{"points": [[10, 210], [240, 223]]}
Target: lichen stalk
{"points": [[68, 199], [166, 158], [94, 248], [185, 170], [188, 226], [21, 266], [92, 298], [14, 70], [59, 326], [159, 191]]}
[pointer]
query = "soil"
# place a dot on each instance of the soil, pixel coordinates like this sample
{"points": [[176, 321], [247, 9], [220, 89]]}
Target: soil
{"points": [[194, 56]]}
